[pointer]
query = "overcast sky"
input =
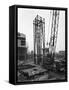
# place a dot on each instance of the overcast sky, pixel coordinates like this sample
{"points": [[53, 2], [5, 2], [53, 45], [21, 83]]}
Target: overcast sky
{"points": [[25, 26]]}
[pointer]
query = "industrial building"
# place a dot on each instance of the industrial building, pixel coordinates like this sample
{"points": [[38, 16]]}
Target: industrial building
{"points": [[22, 49]]}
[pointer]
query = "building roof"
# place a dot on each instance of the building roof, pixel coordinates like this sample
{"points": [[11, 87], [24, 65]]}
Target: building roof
{"points": [[21, 35]]}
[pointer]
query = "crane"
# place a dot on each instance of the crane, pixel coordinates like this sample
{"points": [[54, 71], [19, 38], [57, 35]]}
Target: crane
{"points": [[53, 40], [54, 31]]}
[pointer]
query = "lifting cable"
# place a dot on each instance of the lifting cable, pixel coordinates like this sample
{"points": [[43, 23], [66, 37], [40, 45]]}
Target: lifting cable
{"points": [[48, 29]]}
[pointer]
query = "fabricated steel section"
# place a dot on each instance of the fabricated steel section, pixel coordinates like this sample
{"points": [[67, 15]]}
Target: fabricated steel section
{"points": [[39, 39]]}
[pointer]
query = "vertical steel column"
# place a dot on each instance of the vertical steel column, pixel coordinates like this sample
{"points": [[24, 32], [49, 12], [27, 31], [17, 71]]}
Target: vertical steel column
{"points": [[39, 39]]}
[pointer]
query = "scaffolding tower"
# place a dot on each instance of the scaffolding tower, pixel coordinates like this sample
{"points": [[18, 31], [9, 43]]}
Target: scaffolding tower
{"points": [[39, 39]]}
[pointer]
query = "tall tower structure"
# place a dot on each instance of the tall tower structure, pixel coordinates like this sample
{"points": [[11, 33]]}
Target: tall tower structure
{"points": [[39, 39]]}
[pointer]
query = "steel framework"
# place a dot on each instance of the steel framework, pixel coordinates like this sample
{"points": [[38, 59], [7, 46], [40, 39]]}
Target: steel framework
{"points": [[39, 39]]}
